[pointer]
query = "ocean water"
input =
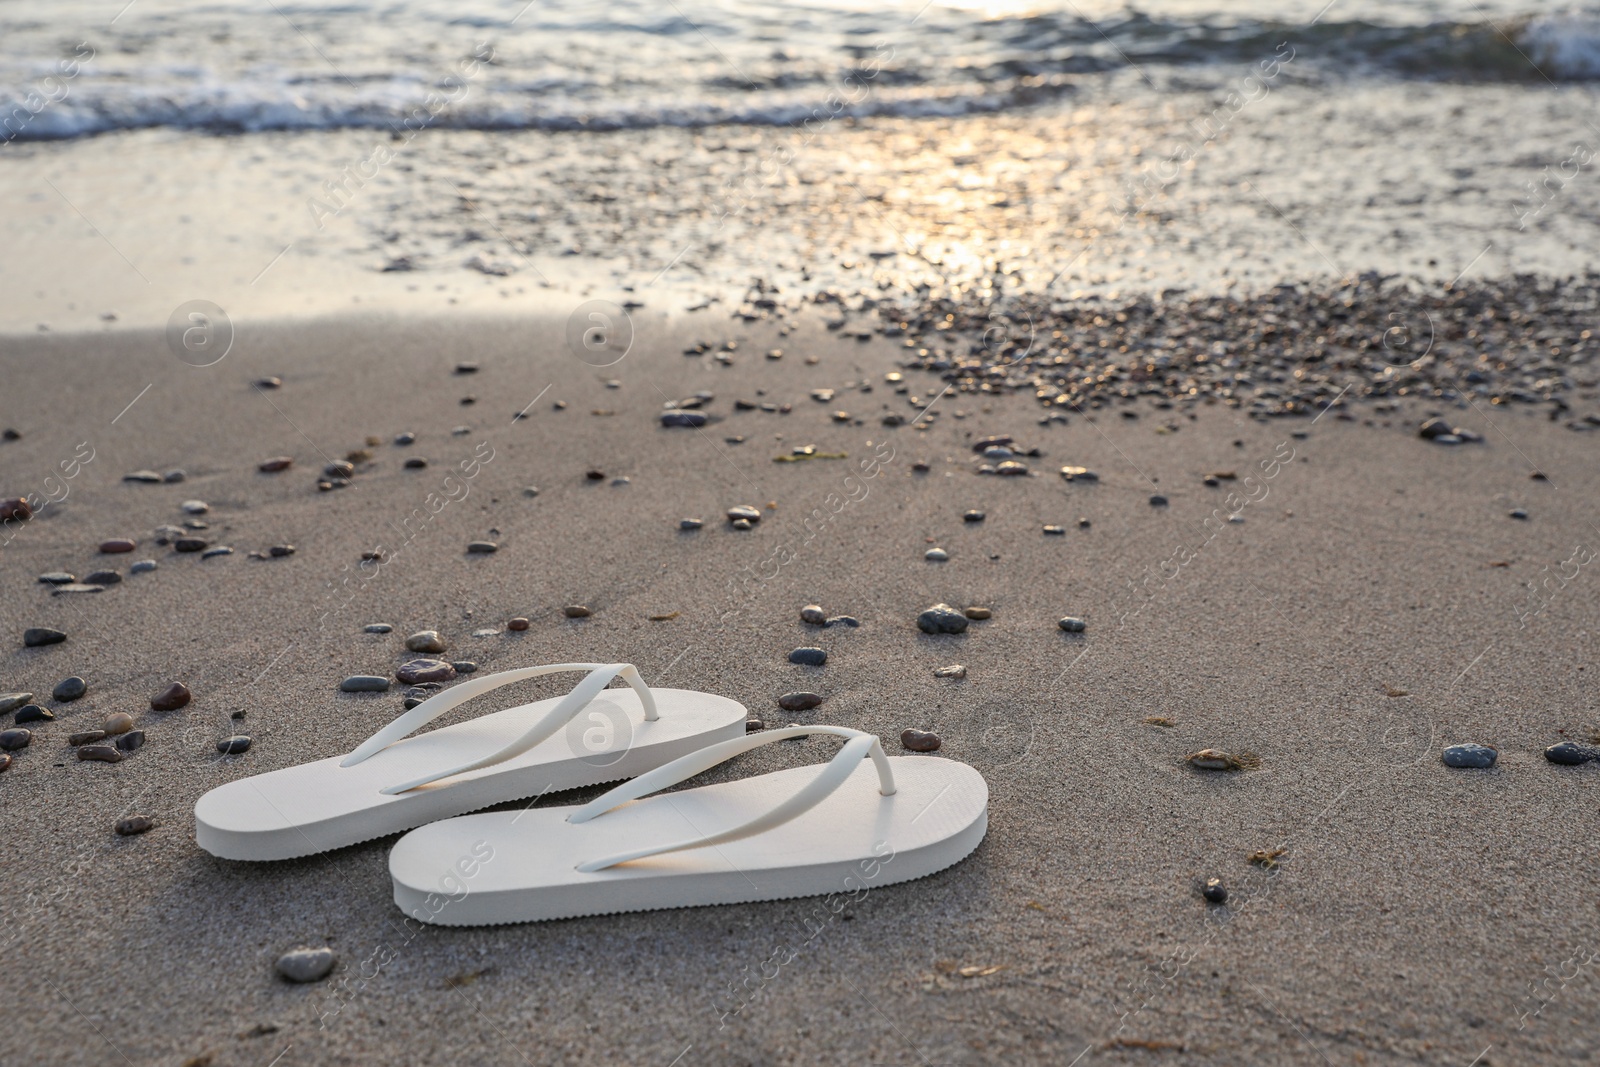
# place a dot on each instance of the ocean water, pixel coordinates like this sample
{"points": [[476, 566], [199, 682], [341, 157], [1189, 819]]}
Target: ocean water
{"points": [[74, 68]]}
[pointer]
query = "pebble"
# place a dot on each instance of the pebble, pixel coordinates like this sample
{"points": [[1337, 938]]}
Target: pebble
{"points": [[39, 636], [1215, 891], [595, 475], [1079, 474], [171, 698], [750, 727], [195, 507], [102, 578], [11, 740], [76, 587], [405, 438], [15, 507], [942, 619], [117, 723], [85, 737], [531, 491], [843, 620], [34, 713], [690, 524], [270, 382], [10, 702], [166, 535], [813, 614], [1072, 625], [808, 657], [280, 551], [132, 741], [1083, 524], [173, 477], [742, 524], [518, 624], [5, 760], [143, 566], [936, 555], [1157, 500], [1011, 469], [955, 670], [377, 628], [134, 824], [364, 683], [466, 368], [189, 544], [688, 419], [576, 611], [306, 964], [415, 463], [799, 701], [1519, 513], [1470, 756], [118, 544], [425, 641], [978, 613], [69, 689], [425, 670], [920, 740], [745, 512], [99, 754], [1434, 428], [234, 746], [339, 468], [1570, 753], [147, 477], [220, 550], [487, 631], [275, 464], [1055, 531], [1212, 759], [973, 516], [58, 578], [464, 666], [482, 547]]}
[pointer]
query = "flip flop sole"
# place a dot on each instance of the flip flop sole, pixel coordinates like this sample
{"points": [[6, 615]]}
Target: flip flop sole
{"points": [[320, 806], [512, 867]]}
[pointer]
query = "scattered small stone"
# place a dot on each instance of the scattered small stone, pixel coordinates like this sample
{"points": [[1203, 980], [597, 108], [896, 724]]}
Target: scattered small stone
{"points": [[118, 544], [39, 636], [978, 614], [190, 544], [1161, 721], [10, 702], [752, 725], [955, 670], [195, 507], [364, 683], [234, 746], [171, 698], [99, 754], [487, 631], [460, 431], [518, 624], [166, 535], [146, 477], [843, 620], [1083, 524], [690, 524], [102, 578], [482, 548], [576, 611], [270, 382], [425, 670], [12, 740], [57, 578], [744, 513], [1266, 858], [936, 555], [464, 666], [1072, 625], [405, 438], [1212, 759], [973, 516], [306, 964], [11, 435], [132, 741], [1055, 531], [1215, 891], [1519, 513], [1434, 428], [69, 689], [1570, 753], [942, 619], [275, 464], [1470, 756], [425, 641], [280, 551], [134, 824], [799, 701], [15, 508], [689, 419], [143, 566], [1157, 500], [34, 713], [173, 477], [813, 614], [1079, 474], [339, 468], [808, 657], [75, 588], [466, 368], [377, 628], [117, 723], [920, 740], [85, 737]]}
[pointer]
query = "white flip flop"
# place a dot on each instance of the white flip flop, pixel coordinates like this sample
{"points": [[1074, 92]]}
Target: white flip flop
{"points": [[846, 828], [388, 784]]}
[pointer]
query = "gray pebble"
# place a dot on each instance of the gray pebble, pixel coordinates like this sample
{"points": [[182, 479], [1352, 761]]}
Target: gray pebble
{"points": [[405, 438], [1055, 531], [973, 516], [189, 544], [377, 628], [75, 588], [306, 964], [134, 824], [173, 477], [34, 713], [339, 468], [233, 746], [942, 619], [1470, 756], [10, 702], [132, 741], [808, 657], [746, 513], [57, 578], [741, 524], [1072, 625], [143, 566], [955, 670], [1570, 753], [425, 670], [425, 641], [220, 550], [464, 666], [364, 683], [1519, 513], [147, 477], [70, 689], [843, 620], [532, 490], [1214, 891], [936, 555], [689, 419], [39, 636], [482, 547], [102, 578], [1157, 500], [752, 725], [195, 507], [415, 463], [11, 740], [690, 524]]}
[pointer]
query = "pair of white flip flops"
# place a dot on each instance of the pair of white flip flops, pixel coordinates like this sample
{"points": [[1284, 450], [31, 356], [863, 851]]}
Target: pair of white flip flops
{"points": [[847, 827]]}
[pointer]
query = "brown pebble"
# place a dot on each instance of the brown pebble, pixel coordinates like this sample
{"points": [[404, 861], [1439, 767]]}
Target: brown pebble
{"points": [[102, 753], [134, 824], [799, 701], [118, 544], [425, 670], [813, 614], [978, 613], [5, 760], [11, 740], [171, 698], [519, 624], [275, 464], [15, 507], [576, 611], [86, 737], [120, 723], [596, 476], [920, 740]]}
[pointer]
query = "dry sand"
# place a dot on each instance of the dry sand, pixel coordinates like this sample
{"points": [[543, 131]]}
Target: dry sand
{"points": [[1419, 914]]}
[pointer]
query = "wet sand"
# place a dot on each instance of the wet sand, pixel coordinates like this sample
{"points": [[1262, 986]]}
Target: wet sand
{"points": [[1418, 914]]}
